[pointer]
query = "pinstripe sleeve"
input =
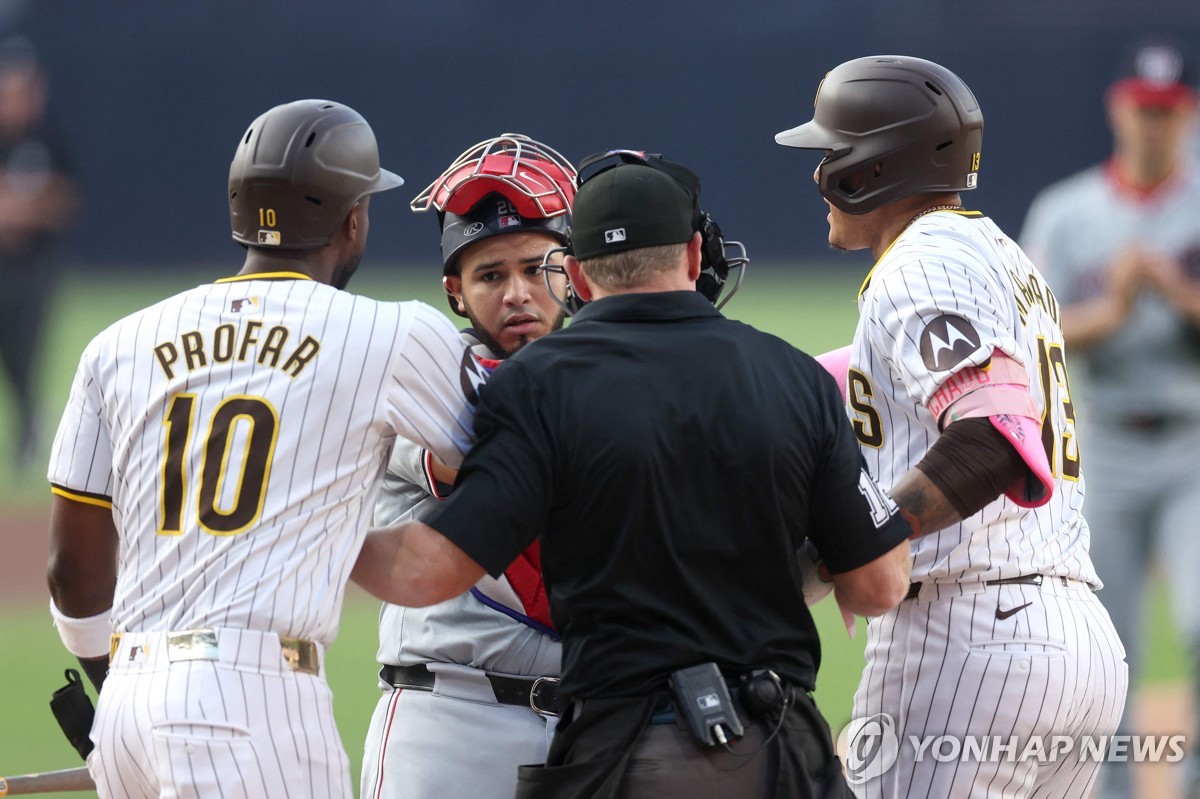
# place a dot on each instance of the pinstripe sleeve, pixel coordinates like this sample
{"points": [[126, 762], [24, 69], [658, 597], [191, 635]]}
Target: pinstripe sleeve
{"points": [[936, 316], [433, 396], [81, 460]]}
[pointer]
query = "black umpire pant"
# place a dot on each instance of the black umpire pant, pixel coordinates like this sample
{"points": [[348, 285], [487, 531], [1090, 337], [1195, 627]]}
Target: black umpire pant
{"points": [[609, 748], [28, 286]]}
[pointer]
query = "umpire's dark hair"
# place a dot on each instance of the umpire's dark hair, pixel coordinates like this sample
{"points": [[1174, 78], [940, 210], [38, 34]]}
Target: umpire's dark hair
{"points": [[298, 170]]}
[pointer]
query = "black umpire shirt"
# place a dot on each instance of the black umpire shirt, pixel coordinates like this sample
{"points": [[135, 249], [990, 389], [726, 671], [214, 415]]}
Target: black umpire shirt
{"points": [[674, 459]]}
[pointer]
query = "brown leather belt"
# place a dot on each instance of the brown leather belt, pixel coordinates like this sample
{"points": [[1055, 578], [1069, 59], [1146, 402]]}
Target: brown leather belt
{"points": [[1026, 579], [540, 694]]}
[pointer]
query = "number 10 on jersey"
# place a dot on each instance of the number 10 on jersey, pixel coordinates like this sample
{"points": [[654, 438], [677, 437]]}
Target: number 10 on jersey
{"points": [[236, 452]]}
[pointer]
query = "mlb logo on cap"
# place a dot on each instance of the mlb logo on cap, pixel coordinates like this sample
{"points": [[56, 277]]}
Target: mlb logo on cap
{"points": [[1159, 65], [509, 220], [615, 235], [270, 237], [1156, 72]]}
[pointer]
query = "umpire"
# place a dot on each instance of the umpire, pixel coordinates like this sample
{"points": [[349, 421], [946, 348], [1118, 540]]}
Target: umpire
{"points": [[675, 460]]}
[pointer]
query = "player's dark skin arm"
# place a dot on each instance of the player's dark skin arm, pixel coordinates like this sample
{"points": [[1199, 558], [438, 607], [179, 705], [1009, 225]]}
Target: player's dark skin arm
{"points": [[82, 570]]}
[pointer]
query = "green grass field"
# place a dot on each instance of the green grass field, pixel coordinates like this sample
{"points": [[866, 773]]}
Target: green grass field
{"points": [[813, 309]]}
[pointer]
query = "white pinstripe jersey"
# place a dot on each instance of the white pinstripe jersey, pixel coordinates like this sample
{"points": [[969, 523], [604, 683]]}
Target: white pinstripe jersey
{"points": [[951, 289], [239, 431]]}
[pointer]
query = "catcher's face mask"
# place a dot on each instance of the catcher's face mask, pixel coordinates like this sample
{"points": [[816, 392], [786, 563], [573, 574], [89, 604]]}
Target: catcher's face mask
{"points": [[507, 184]]}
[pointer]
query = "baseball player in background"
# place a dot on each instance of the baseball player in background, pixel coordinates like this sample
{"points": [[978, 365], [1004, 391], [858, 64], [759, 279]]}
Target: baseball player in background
{"points": [[469, 685], [957, 389], [1120, 246], [214, 473]]}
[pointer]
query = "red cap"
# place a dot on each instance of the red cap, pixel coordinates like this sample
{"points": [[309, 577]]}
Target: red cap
{"points": [[1156, 73]]}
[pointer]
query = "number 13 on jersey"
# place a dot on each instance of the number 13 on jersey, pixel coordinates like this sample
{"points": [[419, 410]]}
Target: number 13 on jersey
{"points": [[1062, 446]]}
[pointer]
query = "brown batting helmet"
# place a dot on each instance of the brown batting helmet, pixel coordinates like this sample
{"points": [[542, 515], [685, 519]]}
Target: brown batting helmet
{"points": [[298, 171], [916, 119]]}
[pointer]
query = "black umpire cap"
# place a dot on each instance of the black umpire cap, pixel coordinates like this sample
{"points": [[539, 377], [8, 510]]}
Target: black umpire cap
{"points": [[628, 207]]}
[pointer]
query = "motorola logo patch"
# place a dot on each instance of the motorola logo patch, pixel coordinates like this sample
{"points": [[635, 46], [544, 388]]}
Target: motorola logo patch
{"points": [[947, 341]]}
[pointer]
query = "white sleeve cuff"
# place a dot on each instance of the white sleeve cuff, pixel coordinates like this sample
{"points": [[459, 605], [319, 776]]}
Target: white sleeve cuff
{"points": [[84, 638]]}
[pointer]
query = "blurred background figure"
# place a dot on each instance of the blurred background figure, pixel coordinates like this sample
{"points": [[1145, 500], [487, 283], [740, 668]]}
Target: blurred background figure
{"points": [[37, 201], [1120, 246]]}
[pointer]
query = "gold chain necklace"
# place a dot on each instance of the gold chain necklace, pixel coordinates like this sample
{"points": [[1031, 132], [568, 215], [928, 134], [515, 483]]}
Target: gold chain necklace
{"points": [[930, 211]]}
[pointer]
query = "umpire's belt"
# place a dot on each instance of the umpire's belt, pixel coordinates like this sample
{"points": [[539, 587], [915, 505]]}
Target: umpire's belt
{"points": [[267, 652], [540, 694], [1025, 579]]}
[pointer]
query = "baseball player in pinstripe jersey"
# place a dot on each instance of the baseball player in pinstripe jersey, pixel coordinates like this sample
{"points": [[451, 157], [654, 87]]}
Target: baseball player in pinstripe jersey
{"points": [[957, 389], [463, 681], [1120, 244], [214, 473]]}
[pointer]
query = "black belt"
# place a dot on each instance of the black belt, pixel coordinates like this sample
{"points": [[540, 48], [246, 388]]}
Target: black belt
{"points": [[540, 694], [1025, 579]]}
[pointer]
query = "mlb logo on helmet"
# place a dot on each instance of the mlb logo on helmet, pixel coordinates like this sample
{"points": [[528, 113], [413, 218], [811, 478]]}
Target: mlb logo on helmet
{"points": [[615, 235], [270, 237], [509, 220]]}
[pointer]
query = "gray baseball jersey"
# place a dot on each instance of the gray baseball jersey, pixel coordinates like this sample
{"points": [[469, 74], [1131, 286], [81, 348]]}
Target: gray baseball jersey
{"points": [[500, 625], [965, 656], [489, 627], [1074, 230], [239, 430]]}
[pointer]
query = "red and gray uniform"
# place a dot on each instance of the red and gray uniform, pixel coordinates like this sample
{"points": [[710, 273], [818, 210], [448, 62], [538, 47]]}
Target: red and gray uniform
{"points": [[500, 627], [238, 432]]}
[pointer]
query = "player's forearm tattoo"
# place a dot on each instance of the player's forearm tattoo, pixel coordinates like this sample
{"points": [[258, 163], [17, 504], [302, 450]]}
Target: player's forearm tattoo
{"points": [[923, 505]]}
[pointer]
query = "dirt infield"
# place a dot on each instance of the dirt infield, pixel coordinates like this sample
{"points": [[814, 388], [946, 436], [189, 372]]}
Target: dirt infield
{"points": [[1160, 709]]}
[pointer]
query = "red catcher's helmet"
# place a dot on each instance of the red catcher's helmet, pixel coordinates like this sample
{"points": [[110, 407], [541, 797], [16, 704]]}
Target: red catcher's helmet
{"points": [[509, 184], [538, 181]]}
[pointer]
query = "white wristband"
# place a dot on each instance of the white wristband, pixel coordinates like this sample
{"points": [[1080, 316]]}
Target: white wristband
{"points": [[83, 638]]}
